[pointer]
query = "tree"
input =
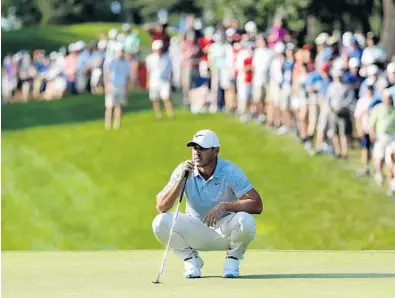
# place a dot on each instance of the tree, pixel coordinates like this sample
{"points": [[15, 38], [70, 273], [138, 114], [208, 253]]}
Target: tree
{"points": [[388, 31]]}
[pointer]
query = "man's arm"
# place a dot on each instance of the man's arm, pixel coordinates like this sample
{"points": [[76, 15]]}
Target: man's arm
{"points": [[166, 198], [250, 202]]}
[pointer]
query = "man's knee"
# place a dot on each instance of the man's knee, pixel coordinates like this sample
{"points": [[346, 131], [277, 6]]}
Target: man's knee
{"points": [[247, 222], [245, 225], [162, 224]]}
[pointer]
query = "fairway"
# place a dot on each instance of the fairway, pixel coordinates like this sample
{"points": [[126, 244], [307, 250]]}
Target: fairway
{"points": [[265, 274]]}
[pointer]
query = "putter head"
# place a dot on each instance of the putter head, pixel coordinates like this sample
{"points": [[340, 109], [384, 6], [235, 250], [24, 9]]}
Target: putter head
{"points": [[156, 281]]}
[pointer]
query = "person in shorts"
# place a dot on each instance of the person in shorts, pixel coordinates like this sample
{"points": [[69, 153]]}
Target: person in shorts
{"points": [[159, 69], [116, 80]]}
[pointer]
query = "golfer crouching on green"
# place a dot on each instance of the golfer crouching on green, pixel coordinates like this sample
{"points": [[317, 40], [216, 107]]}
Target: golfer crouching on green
{"points": [[219, 202]]}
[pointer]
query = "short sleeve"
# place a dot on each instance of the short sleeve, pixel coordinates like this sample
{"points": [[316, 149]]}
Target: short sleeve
{"points": [[239, 182], [173, 179]]}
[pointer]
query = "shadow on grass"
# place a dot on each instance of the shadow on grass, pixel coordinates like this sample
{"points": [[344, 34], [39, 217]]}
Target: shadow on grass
{"points": [[80, 108], [315, 276]]}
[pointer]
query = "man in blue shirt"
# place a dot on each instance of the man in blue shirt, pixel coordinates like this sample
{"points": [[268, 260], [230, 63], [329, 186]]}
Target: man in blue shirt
{"points": [[219, 204]]}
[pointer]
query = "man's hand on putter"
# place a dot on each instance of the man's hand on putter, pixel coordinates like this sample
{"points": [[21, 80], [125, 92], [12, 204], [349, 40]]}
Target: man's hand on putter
{"points": [[214, 215], [187, 167]]}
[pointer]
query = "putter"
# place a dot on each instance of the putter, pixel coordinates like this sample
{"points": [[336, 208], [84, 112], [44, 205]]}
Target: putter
{"points": [[162, 267]]}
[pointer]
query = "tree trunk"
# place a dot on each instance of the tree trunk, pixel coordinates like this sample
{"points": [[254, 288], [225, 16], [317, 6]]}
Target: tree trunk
{"points": [[388, 31]]}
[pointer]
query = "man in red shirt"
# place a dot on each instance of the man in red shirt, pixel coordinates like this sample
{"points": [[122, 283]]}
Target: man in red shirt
{"points": [[244, 82]]}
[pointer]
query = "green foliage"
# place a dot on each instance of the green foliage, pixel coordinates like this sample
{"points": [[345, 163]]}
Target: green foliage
{"points": [[52, 38], [69, 184]]}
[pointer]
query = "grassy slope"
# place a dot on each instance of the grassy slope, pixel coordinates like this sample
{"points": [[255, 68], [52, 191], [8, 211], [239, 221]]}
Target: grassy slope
{"points": [[53, 37], [76, 186], [266, 274]]}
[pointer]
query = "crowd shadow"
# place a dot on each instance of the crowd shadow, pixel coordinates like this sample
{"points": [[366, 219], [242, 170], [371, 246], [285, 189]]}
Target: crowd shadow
{"points": [[72, 109], [366, 275]]}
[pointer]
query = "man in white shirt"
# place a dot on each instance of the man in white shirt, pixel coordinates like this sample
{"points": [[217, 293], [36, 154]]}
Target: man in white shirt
{"points": [[116, 80], [159, 72]]}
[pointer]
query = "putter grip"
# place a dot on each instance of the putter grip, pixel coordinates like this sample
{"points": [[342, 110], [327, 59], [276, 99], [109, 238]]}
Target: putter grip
{"points": [[184, 183]]}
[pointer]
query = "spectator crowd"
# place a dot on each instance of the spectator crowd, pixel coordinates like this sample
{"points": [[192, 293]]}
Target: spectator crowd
{"points": [[330, 93]]}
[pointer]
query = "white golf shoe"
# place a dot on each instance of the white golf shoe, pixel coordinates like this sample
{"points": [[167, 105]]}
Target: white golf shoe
{"points": [[231, 268], [192, 267]]}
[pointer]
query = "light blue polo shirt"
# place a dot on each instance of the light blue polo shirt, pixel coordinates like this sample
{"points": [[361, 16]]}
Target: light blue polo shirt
{"points": [[227, 184]]}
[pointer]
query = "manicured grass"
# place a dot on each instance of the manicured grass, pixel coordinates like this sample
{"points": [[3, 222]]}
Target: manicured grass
{"points": [[52, 38], [264, 274], [69, 184]]}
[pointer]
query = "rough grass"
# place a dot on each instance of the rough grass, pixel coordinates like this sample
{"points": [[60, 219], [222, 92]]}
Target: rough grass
{"points": [[69, 184]]}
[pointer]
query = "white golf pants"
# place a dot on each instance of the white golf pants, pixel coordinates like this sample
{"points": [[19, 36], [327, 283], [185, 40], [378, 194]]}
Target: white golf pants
{"points": [[233, 234]]}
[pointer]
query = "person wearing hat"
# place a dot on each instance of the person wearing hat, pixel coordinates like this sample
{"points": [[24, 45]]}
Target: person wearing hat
{"points": [[340, 98], [219, 202], [132, 48], [116, 80], [159, 70]]}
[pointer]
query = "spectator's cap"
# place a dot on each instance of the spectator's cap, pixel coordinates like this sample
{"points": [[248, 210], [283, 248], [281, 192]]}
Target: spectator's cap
{"points": [[322, 38], [290, 46], [372, 70], [209, 32], [79, 45], [354, 62], [72, 47], [126, 27], [197, 24], [53, 55], [205, 139], [279, 48], [250, 26], [230, 32], [337, 72], [346, 38], [307, 47], [157, 45], [112, 33], [391, 67], [101, 45], [121, 37], [360, 38]]}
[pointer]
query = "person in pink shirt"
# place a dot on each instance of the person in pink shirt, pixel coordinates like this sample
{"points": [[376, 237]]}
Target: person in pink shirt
{"points": [[278, 32], [70, 69]]}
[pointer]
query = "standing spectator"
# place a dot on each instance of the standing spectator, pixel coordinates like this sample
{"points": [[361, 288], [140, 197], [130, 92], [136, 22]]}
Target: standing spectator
{"points": [[132, 47], [244, 83], [340, 98], [116, 79], [286, 89], [382, 132], [70, 69], [362, 115], [262, 59], [159, 79]]}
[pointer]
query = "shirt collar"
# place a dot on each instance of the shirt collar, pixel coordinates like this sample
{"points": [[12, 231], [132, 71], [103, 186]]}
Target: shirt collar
{"points": [[217, 170]]}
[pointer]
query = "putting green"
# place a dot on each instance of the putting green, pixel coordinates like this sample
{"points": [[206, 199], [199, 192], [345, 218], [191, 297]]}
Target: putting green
{"points": [[266, 274]]}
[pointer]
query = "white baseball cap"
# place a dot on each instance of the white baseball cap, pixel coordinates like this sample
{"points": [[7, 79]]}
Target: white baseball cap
{"points": [[391, 67], [157, 45], [205, 139]]}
